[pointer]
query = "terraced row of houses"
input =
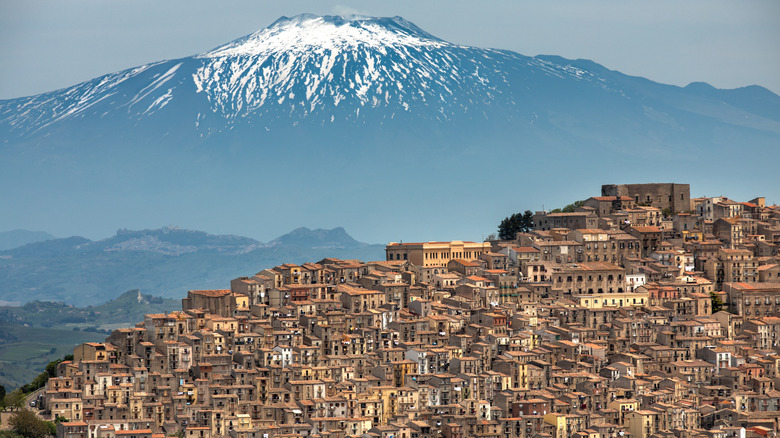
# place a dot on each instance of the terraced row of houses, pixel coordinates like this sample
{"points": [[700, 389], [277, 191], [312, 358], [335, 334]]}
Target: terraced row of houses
{"points": [[599, 323]]}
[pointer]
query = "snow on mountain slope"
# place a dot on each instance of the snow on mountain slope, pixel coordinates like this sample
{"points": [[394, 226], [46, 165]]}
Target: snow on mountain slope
{"points": [[310, 64], [136, 92], [328, 67]]}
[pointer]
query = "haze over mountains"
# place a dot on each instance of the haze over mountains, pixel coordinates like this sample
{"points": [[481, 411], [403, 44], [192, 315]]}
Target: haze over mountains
{"points": [[16, 238], [164, 262], [368, 123]]}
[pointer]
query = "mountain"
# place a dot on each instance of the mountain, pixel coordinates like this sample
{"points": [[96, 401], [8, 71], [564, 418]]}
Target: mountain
{"points": [[371, 123], [336, 238], [164, 262], [175, 241], [17, 238]]}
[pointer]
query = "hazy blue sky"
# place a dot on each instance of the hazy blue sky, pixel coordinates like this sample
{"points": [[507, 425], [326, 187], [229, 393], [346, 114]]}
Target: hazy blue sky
{"points": [[50, 44]]}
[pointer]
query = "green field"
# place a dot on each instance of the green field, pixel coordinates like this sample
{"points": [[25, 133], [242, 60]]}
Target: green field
{"points": [[39, 332], [25, 351]]}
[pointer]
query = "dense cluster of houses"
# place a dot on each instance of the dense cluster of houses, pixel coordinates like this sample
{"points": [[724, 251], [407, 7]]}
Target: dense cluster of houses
{"points": [[599, 323]]}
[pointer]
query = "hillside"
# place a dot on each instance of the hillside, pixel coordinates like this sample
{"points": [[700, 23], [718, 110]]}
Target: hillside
{"points": [[16, 238], [125, 310], [25, 351], [164, 262]]}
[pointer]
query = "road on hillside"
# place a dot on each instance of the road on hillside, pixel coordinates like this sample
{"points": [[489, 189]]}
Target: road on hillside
{"points": [[7, 414], [34, 397]]}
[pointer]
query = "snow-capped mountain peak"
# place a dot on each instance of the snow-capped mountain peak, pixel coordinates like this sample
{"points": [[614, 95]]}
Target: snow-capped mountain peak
{"points": [[305, 69], [312, 67], [306, 32]]}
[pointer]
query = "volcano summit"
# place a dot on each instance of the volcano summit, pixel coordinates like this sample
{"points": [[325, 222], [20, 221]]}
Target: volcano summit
{"points": [[368, 123], [307, 68]]}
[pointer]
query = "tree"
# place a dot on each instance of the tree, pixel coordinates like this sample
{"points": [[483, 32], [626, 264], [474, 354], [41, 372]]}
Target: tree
{"points": [[571, 207], [717, 303], [14, 399], [518, 222], [51, 368], [28, 425]]}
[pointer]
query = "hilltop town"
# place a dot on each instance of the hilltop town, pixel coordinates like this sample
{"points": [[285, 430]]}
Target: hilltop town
{"points": [[642, 313]]}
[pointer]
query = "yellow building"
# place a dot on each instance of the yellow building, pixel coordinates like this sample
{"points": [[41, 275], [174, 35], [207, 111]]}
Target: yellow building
{"points": [[92, 351], [436, 253], [244, 421], [400, 369], [392, 401], [641, 424], [70, 408], [693, 235], [625, 299], [624, 406], [566, 425]]}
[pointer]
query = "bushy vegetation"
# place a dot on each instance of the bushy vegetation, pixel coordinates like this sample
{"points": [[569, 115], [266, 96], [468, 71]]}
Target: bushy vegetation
{"points": [[518, 222], [717, 303], [13, 400], [26, 424], [570, 208], [40, 380]]}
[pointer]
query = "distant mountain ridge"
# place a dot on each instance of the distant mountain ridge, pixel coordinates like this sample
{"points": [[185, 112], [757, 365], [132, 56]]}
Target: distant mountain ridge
{"points": [[361, 121], [16, 238], [318, 238], [175, 241], [163, 262]]}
